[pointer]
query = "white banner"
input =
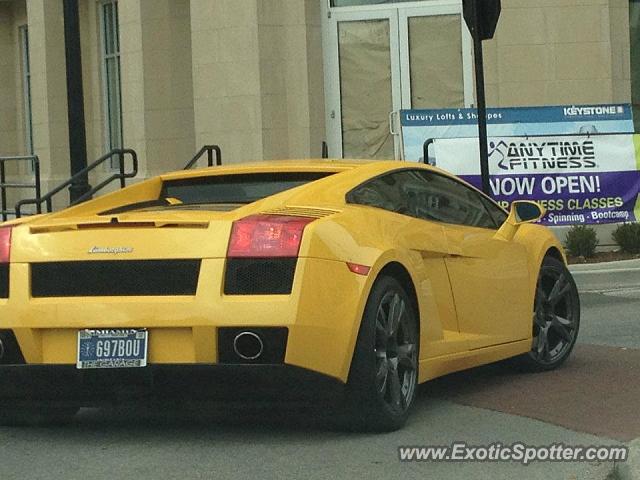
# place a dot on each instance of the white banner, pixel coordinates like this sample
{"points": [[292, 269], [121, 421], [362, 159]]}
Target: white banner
{"points": [[543, 155], [585, 179]]}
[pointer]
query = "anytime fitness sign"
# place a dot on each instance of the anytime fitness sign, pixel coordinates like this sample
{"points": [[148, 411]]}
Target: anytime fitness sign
{"points": [[586, 179]]}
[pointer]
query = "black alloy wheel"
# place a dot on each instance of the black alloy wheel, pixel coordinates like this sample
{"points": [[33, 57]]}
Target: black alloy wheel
{"points": [[384, 371], [556, 317]]}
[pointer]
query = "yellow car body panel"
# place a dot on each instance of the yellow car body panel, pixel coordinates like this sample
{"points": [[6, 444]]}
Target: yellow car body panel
{"points": [[450, 267]]}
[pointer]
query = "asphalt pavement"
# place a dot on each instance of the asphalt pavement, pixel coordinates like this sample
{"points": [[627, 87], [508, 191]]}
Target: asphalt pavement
{"points": [[592, 400]]}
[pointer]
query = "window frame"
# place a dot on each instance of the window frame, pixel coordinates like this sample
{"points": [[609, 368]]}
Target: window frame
{"points": [[349, 194], [107, 99], [23, 35]]}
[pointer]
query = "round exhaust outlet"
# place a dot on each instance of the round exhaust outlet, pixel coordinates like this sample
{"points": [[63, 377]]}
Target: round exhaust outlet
{"points": [[248, 345]]}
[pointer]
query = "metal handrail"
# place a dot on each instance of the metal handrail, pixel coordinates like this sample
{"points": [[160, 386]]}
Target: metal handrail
{"points": [[425, 150], [4, 185], [325, 149], [120, 175], [209, 149]]}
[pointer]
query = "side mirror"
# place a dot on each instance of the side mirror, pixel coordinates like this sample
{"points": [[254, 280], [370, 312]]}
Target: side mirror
{"points": [[526, 211], [522, 211]]}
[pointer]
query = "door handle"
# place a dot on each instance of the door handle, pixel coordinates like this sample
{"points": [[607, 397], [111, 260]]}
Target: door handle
{"points": [[392, 123]]}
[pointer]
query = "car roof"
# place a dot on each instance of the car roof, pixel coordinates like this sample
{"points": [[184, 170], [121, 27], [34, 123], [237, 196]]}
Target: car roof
{"points": [[307, 165]]}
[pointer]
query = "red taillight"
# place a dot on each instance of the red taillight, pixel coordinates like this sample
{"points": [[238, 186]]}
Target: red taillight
{"points": [[267, 236], [5, 244]]}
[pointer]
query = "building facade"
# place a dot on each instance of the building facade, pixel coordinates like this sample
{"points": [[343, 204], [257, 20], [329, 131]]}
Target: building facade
{"points": [[275, 78]]}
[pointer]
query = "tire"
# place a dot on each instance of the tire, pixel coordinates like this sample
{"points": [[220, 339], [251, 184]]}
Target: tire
{"points": [[35, 416], [556, 318], [384, 372]]}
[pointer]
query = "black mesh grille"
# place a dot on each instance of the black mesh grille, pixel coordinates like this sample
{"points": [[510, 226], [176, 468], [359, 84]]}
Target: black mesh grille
{"points": [[4, 280], [259, 276], [115, 278], [10, 353]]}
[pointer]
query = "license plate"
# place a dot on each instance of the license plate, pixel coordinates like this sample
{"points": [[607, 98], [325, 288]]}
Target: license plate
{"points": [[112, 348]]}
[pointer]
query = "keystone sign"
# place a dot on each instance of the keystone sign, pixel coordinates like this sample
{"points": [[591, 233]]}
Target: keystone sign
{"points": [[420, 125], [578, 179]]}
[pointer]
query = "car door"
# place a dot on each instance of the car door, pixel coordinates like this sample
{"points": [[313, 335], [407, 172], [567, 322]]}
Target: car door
{"points": [[489, 277], [399, 192]]}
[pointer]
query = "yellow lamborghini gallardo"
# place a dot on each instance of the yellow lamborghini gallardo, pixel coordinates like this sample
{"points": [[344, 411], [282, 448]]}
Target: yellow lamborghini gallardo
{"points": [[345, 282]]}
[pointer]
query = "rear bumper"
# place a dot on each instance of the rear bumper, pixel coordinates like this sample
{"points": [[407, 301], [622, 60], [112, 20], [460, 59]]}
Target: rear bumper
{"points": [[240, 384], [322, 315]]}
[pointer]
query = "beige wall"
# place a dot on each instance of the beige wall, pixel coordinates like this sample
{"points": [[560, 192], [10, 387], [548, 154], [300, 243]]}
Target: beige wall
{"points": [[226, 77], [8, 77], [157, 85], [559, 52], [291, 76], [257, 74], [48, 89]]}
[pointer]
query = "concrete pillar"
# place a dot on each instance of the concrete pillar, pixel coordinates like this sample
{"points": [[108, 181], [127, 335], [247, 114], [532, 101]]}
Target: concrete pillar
{"points": [[292, 79], [48, 91], [8, 101], [157, 86], [226, 77], [258, 82], [620, 50]]}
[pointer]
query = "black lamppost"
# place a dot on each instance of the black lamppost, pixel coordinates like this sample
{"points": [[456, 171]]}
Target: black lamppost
{"points": [[481, 17], [75, 99]]}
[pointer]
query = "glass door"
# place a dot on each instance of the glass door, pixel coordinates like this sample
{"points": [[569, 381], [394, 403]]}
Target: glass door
{"points": [[363, 83], [436, 57], [379, 60]]}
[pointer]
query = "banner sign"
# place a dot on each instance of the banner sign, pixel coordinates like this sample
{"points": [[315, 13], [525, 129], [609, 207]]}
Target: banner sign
{"points": [[578, 179], [420, 125]]}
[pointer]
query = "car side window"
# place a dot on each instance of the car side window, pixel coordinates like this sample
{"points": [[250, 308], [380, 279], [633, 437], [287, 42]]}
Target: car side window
{"points": [[498, 214], [425, 195], [450, 201], [385, 191]]}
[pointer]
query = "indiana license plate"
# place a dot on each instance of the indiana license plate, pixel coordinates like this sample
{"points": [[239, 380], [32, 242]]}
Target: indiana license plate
{"points": [[112, 348]]}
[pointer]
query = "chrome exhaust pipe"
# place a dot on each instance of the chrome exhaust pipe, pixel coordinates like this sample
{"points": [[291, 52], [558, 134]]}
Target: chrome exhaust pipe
{"points": [[248, 345]]}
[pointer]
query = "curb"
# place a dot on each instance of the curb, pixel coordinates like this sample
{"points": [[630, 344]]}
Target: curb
{"points": [[619, 265], [630, 470]]}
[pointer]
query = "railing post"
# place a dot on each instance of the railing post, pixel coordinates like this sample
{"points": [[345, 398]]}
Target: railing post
{"points": [[425, 150], [36, 169], [121, 160], [4, 192], [210, 156]]}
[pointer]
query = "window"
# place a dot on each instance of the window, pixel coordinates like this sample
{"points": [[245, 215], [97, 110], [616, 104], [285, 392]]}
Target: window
{"points": [[221, 192], [110, 50], [23, 33], [498, 214], [237, 188], [426, 195], [388, 192]]}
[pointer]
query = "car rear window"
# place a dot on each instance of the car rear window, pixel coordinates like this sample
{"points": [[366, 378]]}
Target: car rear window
{"points": [[235, 188], [221, 192]]}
